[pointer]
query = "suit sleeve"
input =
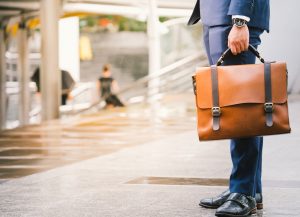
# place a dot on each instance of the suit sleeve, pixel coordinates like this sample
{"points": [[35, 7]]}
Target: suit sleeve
{"points": [[241, 7]]}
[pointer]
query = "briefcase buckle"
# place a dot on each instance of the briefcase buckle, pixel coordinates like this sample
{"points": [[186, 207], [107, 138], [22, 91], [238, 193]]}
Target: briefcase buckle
{"points": [[216, 111], [269, 107], [194, 85]]}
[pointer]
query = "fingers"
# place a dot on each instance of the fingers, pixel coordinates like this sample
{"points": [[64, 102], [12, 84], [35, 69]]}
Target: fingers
{"points": [[235, 48], [238, 47], [244, 44]]}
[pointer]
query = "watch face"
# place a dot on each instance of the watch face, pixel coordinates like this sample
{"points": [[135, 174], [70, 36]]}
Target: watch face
{"points": [[239, 22]]}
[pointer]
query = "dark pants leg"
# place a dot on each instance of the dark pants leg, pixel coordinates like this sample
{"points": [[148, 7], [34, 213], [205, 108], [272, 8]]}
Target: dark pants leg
{"points": [[259, 169], [114, 100], [246, 153], [64, 98], [246, 159]]}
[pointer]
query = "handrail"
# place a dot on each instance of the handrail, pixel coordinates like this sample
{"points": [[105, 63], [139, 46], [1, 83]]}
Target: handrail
{"points": [[162, 71], [150, 77], [80, 89], [69, 110], [82, 108]]}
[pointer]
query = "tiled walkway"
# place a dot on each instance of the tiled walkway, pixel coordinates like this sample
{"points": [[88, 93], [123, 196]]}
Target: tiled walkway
{"points": [[136, 177]]}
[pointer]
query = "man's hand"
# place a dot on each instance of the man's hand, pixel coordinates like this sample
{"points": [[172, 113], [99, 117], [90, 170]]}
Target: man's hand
{"points": [[238, 39]]}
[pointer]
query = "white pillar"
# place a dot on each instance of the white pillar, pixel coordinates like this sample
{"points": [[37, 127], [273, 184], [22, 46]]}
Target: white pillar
{"points": [[3, 96], [69, 46], [50, 75], [153, 46], [23, 75]]}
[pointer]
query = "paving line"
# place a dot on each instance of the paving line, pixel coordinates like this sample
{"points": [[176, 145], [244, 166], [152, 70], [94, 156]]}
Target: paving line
{"points": [[29, 157], [27, 167]]}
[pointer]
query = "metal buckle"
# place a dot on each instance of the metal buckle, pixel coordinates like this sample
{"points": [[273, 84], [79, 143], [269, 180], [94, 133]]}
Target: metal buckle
{"points": [[216, 111], [194, 85], [269, 107]]}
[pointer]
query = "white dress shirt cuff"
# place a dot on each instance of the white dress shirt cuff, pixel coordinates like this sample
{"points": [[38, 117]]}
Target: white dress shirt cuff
{"points": [[241, 17]]}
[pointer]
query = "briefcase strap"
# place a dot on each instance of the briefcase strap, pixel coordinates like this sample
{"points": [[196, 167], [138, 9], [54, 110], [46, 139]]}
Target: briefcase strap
{"points": [[216, 110], [268, 106]]}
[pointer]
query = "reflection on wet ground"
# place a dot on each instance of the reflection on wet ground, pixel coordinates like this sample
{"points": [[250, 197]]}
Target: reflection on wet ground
{"points": [[33, 149], [179, 181], [207, 182]]}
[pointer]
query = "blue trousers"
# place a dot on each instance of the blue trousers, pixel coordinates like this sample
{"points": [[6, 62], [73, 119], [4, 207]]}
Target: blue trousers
{"points": [[246, 153]]}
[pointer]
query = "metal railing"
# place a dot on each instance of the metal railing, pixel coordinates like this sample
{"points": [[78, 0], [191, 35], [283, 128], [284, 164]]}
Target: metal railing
{"points": [[175, 78], [12, 104]]}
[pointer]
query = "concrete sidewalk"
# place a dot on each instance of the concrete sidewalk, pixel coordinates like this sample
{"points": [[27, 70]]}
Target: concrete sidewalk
{"points": [[163, 178]]}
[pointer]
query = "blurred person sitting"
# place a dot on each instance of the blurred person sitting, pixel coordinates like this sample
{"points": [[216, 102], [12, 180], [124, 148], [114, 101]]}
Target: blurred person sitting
{"points": [[67, 84], [108, 87]]}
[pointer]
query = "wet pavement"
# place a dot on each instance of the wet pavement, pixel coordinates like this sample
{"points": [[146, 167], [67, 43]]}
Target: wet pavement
{"points": [[133, 163], [32, 149]]}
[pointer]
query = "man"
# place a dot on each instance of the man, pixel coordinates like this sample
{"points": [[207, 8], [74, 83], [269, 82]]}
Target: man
{"points": [[67, 84], [235, 24]]}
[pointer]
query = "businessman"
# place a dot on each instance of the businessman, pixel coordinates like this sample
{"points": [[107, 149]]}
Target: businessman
{"points": [[235, 24]]}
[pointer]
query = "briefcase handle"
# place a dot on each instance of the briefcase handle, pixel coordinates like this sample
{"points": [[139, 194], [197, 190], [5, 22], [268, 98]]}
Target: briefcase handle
{"points": [[228, 51]]}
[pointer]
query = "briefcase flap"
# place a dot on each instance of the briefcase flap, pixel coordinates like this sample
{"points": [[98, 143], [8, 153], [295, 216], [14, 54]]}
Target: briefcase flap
{"points": [[240, 84]]}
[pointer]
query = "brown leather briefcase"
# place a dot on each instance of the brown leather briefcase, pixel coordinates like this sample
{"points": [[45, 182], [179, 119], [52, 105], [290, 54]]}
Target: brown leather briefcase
{"points": [[241, 101]]}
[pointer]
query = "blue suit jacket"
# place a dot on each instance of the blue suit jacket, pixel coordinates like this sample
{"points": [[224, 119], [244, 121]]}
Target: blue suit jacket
{"points": [[218, 12]]}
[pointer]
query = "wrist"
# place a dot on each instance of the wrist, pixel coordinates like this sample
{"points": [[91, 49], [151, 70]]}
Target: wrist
{"points": [[241, 17], [238, 22]]}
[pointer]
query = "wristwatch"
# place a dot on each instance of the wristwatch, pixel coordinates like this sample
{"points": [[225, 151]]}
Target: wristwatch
{"points": [[238, 22]]}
